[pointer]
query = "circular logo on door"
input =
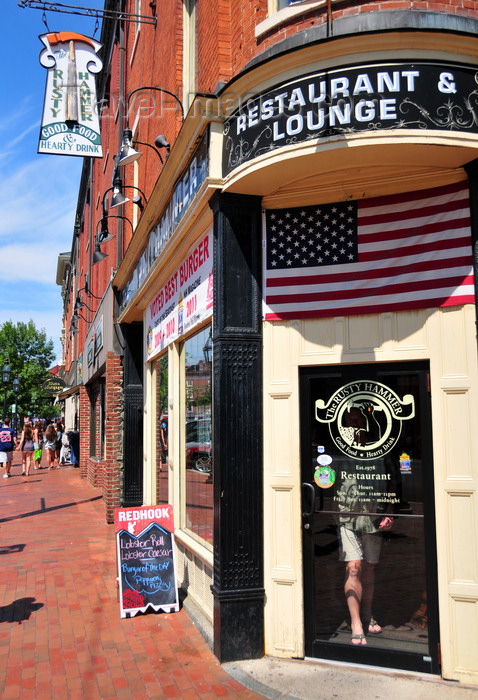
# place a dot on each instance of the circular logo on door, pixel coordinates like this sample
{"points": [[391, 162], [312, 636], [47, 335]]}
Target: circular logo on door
{"points": [[365, 418]]}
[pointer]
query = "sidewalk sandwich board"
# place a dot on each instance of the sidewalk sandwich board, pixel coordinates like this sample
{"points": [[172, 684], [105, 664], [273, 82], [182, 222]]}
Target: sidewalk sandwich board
{"points": [[145, 555]]}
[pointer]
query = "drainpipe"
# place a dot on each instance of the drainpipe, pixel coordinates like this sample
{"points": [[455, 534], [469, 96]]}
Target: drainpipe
{"points": [[330, 29], [122, 97]]}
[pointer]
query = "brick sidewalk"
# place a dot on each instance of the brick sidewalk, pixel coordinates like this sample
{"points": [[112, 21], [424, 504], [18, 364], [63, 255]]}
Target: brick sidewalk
{"points": [[61, 635]]}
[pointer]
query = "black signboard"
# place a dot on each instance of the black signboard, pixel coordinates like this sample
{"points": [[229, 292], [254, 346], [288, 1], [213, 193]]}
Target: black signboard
{"points": [[146, 570], [53, 385], [420, 95]]}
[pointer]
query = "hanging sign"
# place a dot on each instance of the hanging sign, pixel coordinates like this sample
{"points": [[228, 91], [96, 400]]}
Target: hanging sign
{"points": [[70, 121], [145, 554], [184, 301], [53, 385]]}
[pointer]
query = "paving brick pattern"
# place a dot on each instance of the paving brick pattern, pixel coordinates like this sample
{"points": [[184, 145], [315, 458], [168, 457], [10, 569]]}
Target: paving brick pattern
{"points": [[61, 635]]}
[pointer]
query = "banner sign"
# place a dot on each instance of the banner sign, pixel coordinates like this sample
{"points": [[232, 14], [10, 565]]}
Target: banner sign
{"points": [[145, 554], [70, 121], [184, 301], [371, 97]]}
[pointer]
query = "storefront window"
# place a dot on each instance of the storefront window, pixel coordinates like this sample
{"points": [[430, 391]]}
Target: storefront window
{"points": [[198, 435], [162, 437]]}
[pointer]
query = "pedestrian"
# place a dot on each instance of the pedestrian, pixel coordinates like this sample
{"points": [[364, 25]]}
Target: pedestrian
{"points": [[65, 449], [27, 447], [49, 445], [59, 434], [74, 440], [38, 438], [8, 442]]}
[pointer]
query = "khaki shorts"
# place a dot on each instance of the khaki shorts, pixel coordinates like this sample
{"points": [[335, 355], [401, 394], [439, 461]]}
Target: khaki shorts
{"points": [[6, 457], [355, 546]]}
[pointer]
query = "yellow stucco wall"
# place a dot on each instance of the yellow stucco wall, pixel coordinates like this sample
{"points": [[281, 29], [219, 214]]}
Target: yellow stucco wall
{"points": [[447, 339]]}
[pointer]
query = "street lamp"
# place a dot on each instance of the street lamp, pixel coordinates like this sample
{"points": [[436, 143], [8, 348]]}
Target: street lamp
{"points": [[16, 389], [6, 372]]}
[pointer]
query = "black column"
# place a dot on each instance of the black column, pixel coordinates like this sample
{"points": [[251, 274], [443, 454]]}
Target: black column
{"points": [[237, 417], [133, 415]]}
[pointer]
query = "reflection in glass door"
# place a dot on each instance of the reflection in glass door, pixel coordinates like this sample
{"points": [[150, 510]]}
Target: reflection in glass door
{"points": [[368, 517]]}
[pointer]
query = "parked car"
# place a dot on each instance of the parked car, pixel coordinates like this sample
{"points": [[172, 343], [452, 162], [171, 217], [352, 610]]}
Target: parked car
{"points": [[198, 445]]}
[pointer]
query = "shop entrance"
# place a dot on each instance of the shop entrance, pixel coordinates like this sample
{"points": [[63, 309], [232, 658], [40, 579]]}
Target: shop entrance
{"points": [[367, 493]]}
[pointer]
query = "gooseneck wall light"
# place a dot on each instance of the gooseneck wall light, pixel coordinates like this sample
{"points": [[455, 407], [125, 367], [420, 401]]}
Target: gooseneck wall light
{"points": [[118, 198], [128, 154], [104, 235], [98, 254]]}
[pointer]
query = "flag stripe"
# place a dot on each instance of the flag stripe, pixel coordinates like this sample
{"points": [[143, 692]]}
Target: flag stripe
{"points": [[406, 251]]}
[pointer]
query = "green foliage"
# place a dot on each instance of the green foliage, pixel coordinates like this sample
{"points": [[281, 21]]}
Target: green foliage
{"points": [[29, 354]]}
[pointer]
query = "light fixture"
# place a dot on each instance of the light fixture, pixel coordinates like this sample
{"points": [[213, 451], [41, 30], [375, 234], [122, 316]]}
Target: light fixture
{"points": [[161, 142], [128, 154], [118, 198], [6, 372], [104, 234], [77, 315], [98, 254], [86, 289], [73, 326], [79, 304]]}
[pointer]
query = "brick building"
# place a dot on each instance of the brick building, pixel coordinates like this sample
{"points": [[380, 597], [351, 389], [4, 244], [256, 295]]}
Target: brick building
{"points": [[301, 227]]}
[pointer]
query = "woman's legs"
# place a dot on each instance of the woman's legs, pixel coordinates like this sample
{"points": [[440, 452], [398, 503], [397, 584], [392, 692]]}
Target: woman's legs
{"points": [[50, 458], [353, 595], [28, 462]]}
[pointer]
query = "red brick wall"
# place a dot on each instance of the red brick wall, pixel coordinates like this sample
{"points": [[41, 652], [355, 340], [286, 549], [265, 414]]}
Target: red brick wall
{"points": [[316, 17], [113, 463], [105, 474], [226, 29]]}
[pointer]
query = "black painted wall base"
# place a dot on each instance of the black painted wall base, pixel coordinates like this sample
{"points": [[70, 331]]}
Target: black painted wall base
{"points": [[238, 625]]}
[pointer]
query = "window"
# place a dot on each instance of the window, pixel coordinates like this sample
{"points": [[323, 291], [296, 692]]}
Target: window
{"points": [[197, 427], [189, 53], [162, 430], [285, 3]]}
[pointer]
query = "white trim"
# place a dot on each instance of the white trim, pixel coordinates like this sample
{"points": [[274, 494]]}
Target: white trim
{"points": [[286, 14]]}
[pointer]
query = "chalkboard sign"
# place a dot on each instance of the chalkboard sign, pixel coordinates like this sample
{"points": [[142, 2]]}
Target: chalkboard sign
{"points": [[146, 568]]}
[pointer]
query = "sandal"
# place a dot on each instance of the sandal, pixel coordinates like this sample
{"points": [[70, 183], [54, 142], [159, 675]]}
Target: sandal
{"points": [[358, 639], [374, 627]]}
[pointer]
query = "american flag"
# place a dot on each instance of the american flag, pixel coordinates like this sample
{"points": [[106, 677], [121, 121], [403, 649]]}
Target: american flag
{"points": [[394, 253]]}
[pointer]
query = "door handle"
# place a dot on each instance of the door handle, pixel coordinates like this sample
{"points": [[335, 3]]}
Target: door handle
{"points": [[306, 487]]}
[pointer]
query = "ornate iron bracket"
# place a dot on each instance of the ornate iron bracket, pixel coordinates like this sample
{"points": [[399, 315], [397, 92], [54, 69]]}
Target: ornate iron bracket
{"points": [[47, 6]]}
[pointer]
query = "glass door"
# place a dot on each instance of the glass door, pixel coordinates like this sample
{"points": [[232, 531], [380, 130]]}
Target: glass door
{"points": [[368, 515]]}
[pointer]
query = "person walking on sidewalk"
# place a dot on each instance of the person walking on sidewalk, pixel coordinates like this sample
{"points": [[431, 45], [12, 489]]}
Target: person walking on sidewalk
{"points": [[38, 443], [8, 442], [50, 446], [27, 447]]}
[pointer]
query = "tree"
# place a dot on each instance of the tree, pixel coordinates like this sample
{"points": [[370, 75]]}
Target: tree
{"points": [[29, 354]]}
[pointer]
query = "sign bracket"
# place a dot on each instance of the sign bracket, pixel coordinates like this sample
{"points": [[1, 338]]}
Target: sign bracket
{"points": [[48, 6]]}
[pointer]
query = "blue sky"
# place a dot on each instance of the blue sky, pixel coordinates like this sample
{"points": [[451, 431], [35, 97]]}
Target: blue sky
{"points": [[38, 192]]}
